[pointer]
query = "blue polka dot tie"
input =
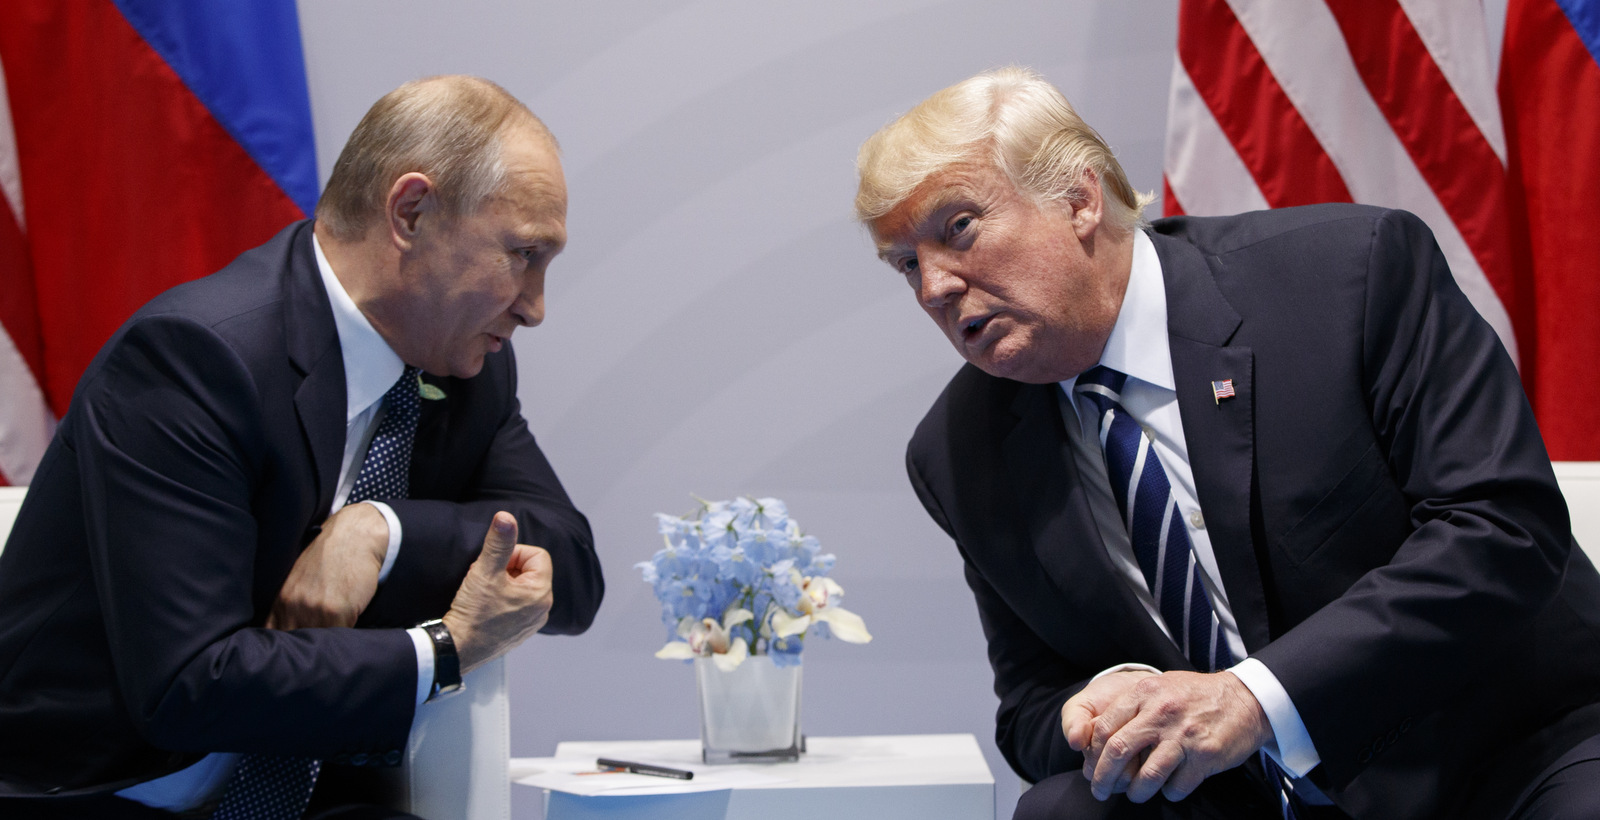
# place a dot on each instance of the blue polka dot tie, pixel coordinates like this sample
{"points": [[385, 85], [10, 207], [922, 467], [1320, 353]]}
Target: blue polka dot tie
{"points": [[1160, 542], [278, 787], [386, 473]]}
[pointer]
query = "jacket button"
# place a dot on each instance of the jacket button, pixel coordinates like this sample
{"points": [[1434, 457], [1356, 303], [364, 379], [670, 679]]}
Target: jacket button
{"points": [[358, 759], [1364, 757], [391, 757]]}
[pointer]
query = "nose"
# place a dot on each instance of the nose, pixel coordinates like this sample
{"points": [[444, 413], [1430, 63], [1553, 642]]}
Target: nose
{"points": [[529, 306], [938, 282]]}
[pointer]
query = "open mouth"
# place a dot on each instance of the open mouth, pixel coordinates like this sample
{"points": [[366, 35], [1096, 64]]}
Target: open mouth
{"points": [[972, 327]]}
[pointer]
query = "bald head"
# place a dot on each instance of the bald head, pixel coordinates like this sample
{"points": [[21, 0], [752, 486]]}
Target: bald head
{"points": [[449, 128]]}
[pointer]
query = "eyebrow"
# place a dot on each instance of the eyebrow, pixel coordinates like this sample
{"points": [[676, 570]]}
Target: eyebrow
{"points": [[934, 204]]}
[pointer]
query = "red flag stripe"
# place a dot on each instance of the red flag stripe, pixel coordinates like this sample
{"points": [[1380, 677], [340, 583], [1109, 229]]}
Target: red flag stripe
{"points": [[1440, 135], [1285, 158], [1550, 102]]}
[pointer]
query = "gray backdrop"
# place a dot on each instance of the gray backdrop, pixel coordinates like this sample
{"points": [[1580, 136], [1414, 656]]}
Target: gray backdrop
{"points": [[719, 325]]}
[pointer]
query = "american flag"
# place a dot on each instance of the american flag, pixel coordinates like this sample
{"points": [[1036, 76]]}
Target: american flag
{"points": [[1222, 390], [1395, 102]]}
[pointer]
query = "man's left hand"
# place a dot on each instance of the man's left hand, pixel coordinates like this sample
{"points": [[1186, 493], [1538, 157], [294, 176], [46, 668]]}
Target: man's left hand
{"points": [[1187, 726], [335, 578]]}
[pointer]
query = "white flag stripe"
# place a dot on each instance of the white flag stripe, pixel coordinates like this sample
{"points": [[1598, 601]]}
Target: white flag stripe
{"points": [[1457, 37], [10, 171], [1205, 172], [1302, 45], [26, 423]]}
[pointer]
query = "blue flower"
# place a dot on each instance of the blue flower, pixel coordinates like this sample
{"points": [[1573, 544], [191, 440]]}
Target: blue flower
{"points": [[739, 576]]}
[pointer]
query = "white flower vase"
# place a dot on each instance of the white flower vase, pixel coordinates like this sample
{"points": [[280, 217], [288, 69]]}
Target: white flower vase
{"points": [[751, 714]]}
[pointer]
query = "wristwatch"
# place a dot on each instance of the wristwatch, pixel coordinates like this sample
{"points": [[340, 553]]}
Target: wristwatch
{"points": [[446, 666]]}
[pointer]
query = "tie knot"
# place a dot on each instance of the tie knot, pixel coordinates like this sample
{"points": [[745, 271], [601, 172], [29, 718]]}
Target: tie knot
{"points": [[404, 388], [1101, 382]]}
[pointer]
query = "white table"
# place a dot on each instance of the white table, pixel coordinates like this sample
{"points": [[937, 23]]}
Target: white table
{"points": [[926, 777]]}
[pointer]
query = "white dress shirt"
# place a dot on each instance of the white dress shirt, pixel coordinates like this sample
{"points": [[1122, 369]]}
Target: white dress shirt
{"points": [[371, 367], [1138, 347]]}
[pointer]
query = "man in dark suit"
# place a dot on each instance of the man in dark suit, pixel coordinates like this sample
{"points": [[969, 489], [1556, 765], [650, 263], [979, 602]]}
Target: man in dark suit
{"points": [[191, 595], [1255, 511]]}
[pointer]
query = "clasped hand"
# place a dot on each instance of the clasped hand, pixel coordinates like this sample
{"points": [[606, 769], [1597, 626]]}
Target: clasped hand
{"points": [[1142, 732]]}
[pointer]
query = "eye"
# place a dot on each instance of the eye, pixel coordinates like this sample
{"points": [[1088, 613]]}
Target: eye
{"points": [[906, 266], [958, 226]]}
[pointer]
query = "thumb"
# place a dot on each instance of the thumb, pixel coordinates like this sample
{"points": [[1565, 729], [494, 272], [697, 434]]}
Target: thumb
{"points": [[1077, 723], [499, 541]]}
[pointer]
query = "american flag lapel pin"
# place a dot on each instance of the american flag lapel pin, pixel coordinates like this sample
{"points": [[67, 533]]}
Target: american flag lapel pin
{"points": [[1222, 390]]}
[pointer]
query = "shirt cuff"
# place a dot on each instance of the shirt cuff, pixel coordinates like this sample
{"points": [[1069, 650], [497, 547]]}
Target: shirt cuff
{"points": [[1126, 667], [1292, 747], [393, 551], [424, 646]]}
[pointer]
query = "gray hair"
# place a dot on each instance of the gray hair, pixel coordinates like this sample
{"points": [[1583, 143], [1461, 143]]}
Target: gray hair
{"points": [[448, 128]]}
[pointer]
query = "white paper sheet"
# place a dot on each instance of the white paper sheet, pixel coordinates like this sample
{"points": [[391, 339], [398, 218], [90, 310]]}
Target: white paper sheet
{"points": [[581, 776]]}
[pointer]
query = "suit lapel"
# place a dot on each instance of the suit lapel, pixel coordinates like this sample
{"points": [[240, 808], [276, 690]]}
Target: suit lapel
{"points": [[313, 346], [1061, 527], [1219, 433]]}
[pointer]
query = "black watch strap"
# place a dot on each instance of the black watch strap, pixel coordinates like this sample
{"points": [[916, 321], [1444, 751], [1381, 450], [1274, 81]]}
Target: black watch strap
{"points": [[446, 666]]}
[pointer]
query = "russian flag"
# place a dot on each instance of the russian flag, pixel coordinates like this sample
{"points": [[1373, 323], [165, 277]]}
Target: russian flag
{"points": [[1550, 101], [143, 143]]}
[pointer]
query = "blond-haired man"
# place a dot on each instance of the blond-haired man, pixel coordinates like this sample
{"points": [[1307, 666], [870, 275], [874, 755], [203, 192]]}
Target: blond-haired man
{"points": [[1255, 511]]}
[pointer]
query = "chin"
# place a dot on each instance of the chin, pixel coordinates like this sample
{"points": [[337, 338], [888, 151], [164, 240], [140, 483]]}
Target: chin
{"points": [[468, 369]]}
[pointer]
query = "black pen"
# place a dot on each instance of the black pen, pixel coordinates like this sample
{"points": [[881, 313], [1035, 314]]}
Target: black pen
{"points": [[644, 768]]}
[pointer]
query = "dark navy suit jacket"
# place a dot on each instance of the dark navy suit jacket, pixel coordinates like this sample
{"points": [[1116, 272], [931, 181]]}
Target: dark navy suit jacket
{"points": [[1385, 518], [197, 460]]}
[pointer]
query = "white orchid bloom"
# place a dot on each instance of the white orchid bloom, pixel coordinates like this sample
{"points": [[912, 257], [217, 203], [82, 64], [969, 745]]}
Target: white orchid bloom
{"points": [[706, 638], [784, 624], [730, 660], [675, 651], [819, 603], [844, 624]]}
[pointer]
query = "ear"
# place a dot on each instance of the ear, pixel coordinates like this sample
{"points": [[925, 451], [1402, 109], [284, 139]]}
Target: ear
{"points": [[410, 197], [1088, 209]]}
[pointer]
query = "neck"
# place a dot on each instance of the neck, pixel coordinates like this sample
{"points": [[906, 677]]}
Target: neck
{"points": [[364, 268]]}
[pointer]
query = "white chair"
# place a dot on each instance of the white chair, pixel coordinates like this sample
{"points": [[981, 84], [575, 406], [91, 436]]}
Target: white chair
{"points": [[458, 760], [1580, 483]]}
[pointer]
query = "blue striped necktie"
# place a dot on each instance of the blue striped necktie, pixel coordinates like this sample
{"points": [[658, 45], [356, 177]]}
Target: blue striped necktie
{"points": [[278, 787], [1160, 543]]}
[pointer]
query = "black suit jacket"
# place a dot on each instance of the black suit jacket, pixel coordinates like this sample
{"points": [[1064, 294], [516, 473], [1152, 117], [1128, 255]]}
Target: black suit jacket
{"points": [[1386, 522], [197, 460]]}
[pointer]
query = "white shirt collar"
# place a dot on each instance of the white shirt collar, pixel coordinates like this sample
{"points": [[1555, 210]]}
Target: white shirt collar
{"points": [[371, 367], [1138, 342]]}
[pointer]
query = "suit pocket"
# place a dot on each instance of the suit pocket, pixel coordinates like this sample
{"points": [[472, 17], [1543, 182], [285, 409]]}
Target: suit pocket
{"points": [[1364, 508]]}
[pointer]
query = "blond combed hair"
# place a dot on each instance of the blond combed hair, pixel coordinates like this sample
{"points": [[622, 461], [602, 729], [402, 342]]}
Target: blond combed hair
{"points": [[1015, 119], [447, 128]]}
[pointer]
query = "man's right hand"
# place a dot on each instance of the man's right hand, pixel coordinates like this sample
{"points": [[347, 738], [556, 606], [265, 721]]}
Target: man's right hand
{"points": [[505, 598]]}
